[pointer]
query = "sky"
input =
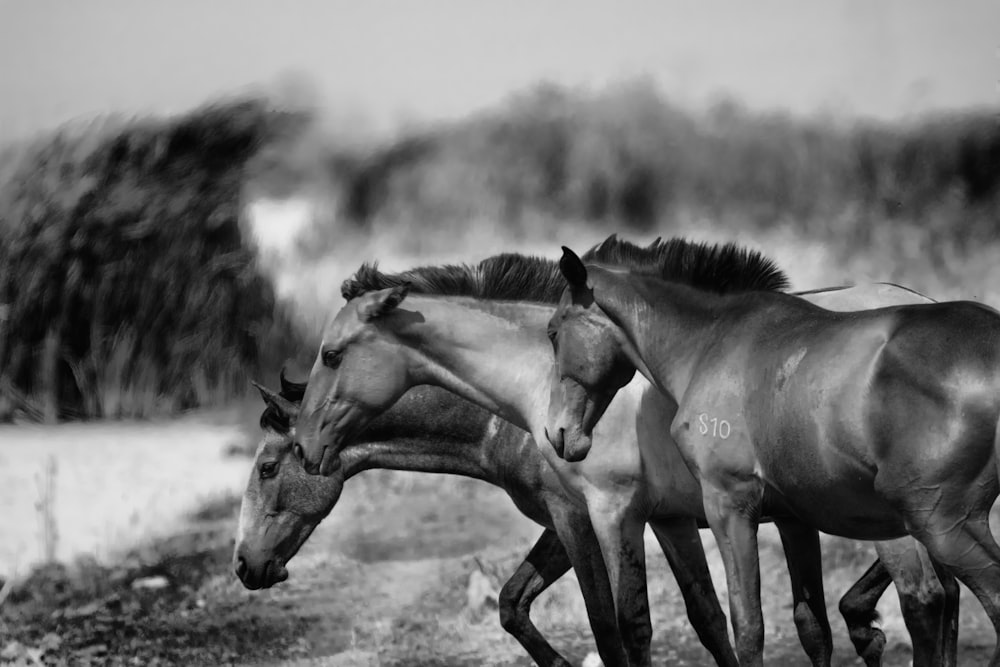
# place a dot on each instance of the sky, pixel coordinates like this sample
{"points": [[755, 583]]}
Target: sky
{"points": [[411, 61]]}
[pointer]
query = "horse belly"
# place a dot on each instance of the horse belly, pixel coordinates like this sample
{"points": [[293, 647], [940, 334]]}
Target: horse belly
{"points": [[839, 500], [817, 458]]}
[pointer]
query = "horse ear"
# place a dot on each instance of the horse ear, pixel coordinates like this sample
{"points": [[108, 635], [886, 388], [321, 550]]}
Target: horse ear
{"points": [[572, 268], [377, 304], [280, 413]]}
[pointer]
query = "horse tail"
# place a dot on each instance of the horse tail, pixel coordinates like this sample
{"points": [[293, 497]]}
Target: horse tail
{"points": [[995, 510]]}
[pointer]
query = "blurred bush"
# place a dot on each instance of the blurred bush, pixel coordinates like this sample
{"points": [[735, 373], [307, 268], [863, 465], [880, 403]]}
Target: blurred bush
{"points": [[627, 156], [126, 286]]}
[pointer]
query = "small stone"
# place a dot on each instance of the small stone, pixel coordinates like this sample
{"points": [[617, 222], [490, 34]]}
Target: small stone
{"points": [[86, 610], [150, 583], [50, 642], [12, 651]]}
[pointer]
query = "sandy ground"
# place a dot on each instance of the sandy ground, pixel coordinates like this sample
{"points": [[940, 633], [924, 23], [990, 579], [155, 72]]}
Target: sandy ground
{"points": [[415, 609]]}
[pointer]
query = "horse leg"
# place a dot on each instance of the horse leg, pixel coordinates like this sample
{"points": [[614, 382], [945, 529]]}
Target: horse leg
{"points": [[733, 515], [685, 553], [951, 519], [952, 593], [619, 533], [967, 549], [858, 609], [545, 563], [922, 599], [805, 568], [584, 552]]}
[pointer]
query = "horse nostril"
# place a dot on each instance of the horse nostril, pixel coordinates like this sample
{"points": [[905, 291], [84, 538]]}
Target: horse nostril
{"points": [[299, 452], [241, 567]]}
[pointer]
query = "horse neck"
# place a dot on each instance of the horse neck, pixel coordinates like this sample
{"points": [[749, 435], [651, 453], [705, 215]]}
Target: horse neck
{"points": [[418, 455], [664, 322], [428, 430], [494, 354]]}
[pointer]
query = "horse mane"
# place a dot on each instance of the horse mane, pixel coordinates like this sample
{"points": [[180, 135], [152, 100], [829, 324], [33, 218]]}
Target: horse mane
{"points": [[273, 419], [508, 276], [721, 268], [512, 276]]}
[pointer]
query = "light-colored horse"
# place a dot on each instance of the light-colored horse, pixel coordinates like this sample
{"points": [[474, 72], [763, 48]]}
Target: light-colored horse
{"points": [[432, 430]]}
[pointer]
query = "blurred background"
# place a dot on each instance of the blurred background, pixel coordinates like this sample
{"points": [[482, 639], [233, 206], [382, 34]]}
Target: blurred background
{"points": [[184, 185]]}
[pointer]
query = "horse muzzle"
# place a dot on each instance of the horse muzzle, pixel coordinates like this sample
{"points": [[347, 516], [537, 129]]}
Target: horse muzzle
{"points": [[256, 577]]}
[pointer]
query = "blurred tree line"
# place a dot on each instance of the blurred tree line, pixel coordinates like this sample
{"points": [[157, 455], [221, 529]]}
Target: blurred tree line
{"points": [[628, 156], [126, 287]]}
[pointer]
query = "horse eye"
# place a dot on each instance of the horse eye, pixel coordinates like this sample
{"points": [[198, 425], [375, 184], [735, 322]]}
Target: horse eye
{"points": [[552, 334], [269, 469], [331, 358]]}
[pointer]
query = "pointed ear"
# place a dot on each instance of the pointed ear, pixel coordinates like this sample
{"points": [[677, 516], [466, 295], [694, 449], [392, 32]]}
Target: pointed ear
{"points": [[377, 304], [572, 268], [280, 412]]}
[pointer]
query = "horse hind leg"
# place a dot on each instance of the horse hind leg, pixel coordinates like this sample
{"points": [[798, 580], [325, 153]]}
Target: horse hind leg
{"points": [[858, 607], [928, 598], [959, 540], [546, 562], [952, 594]]}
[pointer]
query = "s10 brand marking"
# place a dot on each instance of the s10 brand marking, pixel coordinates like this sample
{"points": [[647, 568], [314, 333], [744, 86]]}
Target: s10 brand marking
{"points": [[719, 428]]}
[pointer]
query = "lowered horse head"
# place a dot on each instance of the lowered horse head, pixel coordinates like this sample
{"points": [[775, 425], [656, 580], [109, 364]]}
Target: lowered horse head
{"points": [[282, 504], [594, 357], [359, 373], [373, 350], [591, 364]]}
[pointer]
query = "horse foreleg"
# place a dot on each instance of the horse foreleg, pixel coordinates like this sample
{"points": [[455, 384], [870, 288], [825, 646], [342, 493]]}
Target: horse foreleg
{"points": [[805, 568], [545, 563], [620, 536], [685, 553], [923, 601], [584, 552], [858, 607], [733, 515]]}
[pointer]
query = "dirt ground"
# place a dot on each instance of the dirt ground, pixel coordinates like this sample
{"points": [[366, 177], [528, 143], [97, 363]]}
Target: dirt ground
{"points": [[385, 580]]}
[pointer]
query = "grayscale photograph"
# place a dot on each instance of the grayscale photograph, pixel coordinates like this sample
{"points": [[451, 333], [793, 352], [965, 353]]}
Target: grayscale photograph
{"points": [[446, 333]]}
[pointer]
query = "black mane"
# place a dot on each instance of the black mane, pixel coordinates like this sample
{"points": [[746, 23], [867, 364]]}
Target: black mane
{"points": [[509, 276], [719, 268]]}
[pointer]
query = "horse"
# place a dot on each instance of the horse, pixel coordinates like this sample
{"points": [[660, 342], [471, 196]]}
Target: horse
{"points": [[869, 424], [432, 430], [462, 332]]}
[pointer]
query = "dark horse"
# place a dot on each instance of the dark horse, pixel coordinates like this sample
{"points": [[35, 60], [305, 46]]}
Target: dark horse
{"points": [[459, 329], [866, 424]]}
